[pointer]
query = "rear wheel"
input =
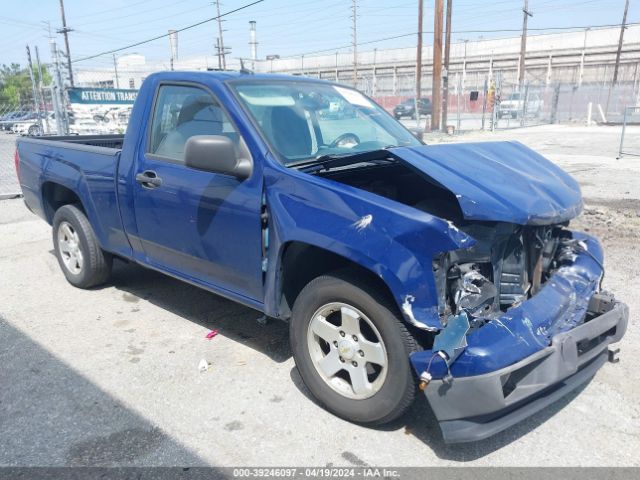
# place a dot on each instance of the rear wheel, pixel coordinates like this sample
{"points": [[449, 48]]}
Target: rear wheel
{"points": [[352, 349], [81, 259]]}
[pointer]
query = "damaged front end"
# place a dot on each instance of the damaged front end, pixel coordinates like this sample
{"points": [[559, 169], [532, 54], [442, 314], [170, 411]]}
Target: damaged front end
{"points": [[523, 317], [516, 288], [524, 322], [515, 311]]}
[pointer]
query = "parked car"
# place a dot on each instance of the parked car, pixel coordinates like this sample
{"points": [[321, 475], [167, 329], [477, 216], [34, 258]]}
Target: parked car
{"points": [[34, 127], [513, 106], [7, 121], [394, 262], [408, 108]]}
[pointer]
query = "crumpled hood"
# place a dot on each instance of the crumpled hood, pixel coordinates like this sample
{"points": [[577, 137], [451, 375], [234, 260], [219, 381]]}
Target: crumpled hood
{"points": [[499, 181]]}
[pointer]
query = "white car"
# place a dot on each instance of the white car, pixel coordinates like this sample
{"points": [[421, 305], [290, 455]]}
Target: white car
{"points": [[513, 106], [33, 128]]}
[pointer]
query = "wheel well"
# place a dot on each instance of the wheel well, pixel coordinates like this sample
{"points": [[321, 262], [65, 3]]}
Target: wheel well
{"points": [[302, 262], [55, 196]]}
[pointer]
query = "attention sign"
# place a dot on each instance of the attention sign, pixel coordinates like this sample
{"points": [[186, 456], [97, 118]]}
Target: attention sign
{"points": [[102, 95]]}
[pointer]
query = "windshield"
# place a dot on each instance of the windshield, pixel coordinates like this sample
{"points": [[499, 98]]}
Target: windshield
{"points": [[306, 120], [514, 96]]}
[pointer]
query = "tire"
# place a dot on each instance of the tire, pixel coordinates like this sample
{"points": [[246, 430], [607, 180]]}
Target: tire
{"points": [[81, 259], [34, 131], [393, 388]]}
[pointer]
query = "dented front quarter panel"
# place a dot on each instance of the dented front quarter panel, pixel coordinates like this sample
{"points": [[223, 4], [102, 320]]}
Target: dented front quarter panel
{"points": [[394, 241], [527, 328]]}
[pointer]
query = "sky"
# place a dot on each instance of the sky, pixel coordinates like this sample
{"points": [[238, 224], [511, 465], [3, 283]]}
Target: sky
{"points": [[285, 28]]}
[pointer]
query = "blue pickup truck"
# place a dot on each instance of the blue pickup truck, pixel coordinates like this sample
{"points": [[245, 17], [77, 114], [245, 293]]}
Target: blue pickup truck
{"points": [[399, 266]]}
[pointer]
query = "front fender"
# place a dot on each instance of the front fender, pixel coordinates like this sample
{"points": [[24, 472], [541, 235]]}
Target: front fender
{"points": [[394, 241]]}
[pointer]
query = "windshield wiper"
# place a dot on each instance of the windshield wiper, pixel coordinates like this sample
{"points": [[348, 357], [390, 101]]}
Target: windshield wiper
{"points": [[333, 160]]}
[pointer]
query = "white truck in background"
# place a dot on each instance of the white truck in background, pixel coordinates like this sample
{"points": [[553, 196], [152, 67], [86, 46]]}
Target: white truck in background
{"points": [[514, 105]]}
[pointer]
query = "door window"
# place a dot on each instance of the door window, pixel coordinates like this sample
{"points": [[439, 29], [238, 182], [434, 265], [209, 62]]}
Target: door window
{"points": [[182, 112]]}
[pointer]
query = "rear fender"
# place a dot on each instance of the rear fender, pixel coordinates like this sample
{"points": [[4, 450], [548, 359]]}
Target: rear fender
{"points": [[70, 176]]}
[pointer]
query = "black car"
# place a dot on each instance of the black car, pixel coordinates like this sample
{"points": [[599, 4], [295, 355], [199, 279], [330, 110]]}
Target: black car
{"points": [[408, 108]]}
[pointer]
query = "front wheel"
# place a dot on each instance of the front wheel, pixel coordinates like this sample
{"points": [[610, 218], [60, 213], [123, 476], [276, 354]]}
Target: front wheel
{"points": [[352, 349], [81, 259], [34, 131]]}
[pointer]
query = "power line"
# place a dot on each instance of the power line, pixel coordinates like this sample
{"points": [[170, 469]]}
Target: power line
{"points": [[118, 9], [502, 30], [167, 34]]}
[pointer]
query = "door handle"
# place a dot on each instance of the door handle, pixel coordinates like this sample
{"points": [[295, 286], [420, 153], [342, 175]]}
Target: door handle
{"points": [[149, 179]]}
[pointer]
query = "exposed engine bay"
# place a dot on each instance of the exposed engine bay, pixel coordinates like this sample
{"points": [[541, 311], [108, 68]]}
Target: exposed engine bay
{"points": [[508, 264]]}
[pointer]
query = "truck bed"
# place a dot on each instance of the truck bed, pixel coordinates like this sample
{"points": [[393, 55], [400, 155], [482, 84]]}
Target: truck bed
{"points": [[51, 168], [106, 141]]}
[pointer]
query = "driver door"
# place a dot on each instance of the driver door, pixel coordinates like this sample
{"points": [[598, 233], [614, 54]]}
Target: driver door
{"points": [[200, 226]]}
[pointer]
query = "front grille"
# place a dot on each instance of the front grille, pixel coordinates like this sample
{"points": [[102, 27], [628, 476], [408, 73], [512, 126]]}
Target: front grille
{"points": [[510, 381], [585, 346]]}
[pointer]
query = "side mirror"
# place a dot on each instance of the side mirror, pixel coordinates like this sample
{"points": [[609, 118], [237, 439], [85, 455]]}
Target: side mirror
{"points": [[217, 154]]}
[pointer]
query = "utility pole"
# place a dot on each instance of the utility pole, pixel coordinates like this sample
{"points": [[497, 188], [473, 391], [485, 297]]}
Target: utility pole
{"points": [[419, 54], [445, 73], [464, 65], [253, 43], [218, 53], [436, 87], [523, 43], [34, 89], [65, 31], [221, 51], [56, 91], [115, 70], [622, 27], [354, 38], [41, 89], [173, 47], [582, 57]]}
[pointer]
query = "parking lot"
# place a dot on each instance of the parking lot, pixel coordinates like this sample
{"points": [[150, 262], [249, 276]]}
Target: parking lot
{"points": [[110, 376]]}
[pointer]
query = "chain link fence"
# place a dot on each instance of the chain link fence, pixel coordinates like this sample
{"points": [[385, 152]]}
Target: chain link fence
{"points": [[9, 115], [629, 144], [9, 186], [489, 102], [15, 120]]}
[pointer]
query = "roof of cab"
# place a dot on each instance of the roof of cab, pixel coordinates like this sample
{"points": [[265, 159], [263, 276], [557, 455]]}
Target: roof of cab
{"points": [[224, 76]]}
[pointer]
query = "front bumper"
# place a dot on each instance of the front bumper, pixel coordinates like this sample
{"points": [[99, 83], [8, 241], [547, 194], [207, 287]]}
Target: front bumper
{"points": [[474, 408], [534, 353]]}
